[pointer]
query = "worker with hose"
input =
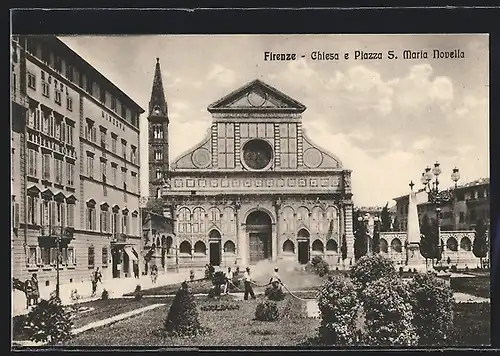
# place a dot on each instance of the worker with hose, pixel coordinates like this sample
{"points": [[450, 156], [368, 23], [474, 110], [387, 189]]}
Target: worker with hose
{"points": [[248, 285]]}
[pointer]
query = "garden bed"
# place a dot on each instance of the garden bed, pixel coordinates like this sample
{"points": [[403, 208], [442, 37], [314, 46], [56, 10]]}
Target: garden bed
{"points": [[477, 286], [98, 310], [228, 328], [201, 286], [472, 324]]}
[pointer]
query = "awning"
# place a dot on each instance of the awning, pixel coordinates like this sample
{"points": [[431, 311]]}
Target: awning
{"points": [[132, 254]]}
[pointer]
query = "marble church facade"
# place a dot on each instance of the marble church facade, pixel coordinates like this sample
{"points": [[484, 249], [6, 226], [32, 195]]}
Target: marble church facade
{"points": [[256, 187]]}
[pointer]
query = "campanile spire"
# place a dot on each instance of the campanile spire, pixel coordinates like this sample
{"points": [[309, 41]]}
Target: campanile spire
{"points": [[158, 135], [157, 103]]}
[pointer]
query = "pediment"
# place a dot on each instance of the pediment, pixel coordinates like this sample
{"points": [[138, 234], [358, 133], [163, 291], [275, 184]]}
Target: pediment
{"points": [[256, 96]]}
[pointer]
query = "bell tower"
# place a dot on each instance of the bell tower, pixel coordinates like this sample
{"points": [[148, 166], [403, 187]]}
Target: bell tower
{"points": [[158, 121]]}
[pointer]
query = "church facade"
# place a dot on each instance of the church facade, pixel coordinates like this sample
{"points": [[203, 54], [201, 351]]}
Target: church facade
{"points": [[255, 188]]}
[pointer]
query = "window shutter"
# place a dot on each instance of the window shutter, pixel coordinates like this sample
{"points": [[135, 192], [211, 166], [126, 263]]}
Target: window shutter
{"points": [[63, 215], [52, 213]]}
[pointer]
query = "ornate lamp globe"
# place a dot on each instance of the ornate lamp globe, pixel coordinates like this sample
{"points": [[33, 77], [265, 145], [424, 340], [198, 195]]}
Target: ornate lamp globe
{"points": [[428, 173], [455, 176], [423, 179], [437, 169], [376, 219], [360, 218]]}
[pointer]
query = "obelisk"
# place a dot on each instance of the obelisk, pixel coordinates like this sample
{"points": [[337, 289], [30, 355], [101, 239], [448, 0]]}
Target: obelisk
{"points": [[414, 259]]}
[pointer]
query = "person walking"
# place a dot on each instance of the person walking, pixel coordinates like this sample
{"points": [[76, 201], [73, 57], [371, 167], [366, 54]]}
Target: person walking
{"points": [[136, 270], [248, 286], [154, 274], [229, 280], [95, 278]]}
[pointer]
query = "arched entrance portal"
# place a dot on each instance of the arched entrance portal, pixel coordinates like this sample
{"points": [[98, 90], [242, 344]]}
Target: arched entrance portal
{"points": [[303, 242], [259, 230], [214, 240]]}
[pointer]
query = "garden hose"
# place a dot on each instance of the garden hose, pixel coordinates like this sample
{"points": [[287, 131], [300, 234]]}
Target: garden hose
{"points": [[258, 285], [293, 295]]}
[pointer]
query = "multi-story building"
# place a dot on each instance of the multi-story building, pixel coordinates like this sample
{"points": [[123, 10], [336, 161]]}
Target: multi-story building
{"points": [[471, 202], [77, 161]]}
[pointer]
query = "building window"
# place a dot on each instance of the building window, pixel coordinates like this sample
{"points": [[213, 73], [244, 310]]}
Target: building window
{"points": [[90, 166], [158, 173], [69, 72], [32, 210], [102, 95], [70, 174], [134, 181], [133, 154], [58, 171], [113, 103], [32, 162], [158, 155], [123, 111], [58, 64], [31, 81], [113, 173], [89, 85], [124, 178], [135, 228], [113, 143], [103, 138], [124, 149], [71, 215], [91, 217], [104, 219], [58, 96], [46, 166], [158, 131], [104, 256], [115, 227], [33, 256], [69, 103], [103, 170], [45, 89], [125, 223], [90, 131], [91, 255], [69, 134]]}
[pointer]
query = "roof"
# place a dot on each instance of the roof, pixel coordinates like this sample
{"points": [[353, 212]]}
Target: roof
{"points": [[256, 86], [54, 40]]}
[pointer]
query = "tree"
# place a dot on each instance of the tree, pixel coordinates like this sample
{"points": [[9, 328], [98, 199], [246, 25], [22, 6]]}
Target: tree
{"points": [[155, 205], [372, 268], [425, 228], [434, 240], [480, 246], [376, 238], [395, 224], [343, 248], [182, 318], [360, 246], [385, 218]]}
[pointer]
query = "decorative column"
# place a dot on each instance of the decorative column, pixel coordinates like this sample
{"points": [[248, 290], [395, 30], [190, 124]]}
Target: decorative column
{"points": [[242, 248], [274, 242], [347, 212], [275, 236], [239, 242]]}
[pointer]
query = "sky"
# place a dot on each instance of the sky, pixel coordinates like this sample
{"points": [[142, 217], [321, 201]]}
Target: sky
{"points": [[385, 119]]}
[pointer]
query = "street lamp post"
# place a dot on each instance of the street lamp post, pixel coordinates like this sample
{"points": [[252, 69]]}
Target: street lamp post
{"points": [[436, 197], [58, 257]]}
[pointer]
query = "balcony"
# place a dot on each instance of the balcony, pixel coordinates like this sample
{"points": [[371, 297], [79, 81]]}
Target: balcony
{"points": [[119, 237], [55, 231], [19, 97]]}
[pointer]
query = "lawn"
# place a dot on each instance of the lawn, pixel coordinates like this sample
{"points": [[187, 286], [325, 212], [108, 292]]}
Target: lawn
{"points": [[477, 286], [472, 324], [102, 309], [227, 328], [197, 287]]}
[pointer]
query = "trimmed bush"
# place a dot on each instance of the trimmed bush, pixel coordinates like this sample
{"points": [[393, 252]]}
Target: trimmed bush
{"points": [[105, 295], [388, 314], [220, 307], [49, 322], [267, 311], [338, 304], [274, 294], [318, 266], [182, 318], [372, 268], [432, 301]]}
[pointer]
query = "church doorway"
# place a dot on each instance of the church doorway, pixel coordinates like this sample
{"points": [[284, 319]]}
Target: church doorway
{"points": [[214, 244], [259, 229], [303, 246]]}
